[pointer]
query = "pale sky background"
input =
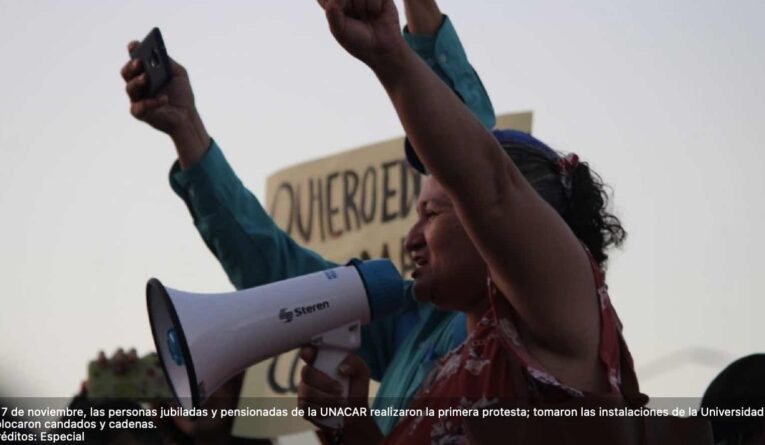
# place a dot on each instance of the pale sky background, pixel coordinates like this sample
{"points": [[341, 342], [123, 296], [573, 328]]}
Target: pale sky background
{"points": [[664, 98]]}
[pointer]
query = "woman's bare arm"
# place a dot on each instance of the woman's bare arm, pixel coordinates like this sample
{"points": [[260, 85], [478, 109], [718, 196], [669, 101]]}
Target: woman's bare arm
{"points": [[534, 258]]}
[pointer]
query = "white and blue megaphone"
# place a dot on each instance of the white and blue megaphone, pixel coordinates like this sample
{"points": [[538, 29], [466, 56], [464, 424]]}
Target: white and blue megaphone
{"points": [[203, 340]]}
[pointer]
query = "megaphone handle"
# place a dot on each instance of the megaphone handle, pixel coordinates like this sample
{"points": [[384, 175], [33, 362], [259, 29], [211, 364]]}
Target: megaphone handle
{"points": [[328, 358], [327, 361]]}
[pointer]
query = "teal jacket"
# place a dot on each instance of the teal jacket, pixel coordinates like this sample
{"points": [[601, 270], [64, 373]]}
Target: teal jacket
{"points": [[400, 350]]}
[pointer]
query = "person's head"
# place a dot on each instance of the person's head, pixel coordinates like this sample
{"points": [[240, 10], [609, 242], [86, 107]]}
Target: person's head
{"points": [[448, 262], [740, 385]]}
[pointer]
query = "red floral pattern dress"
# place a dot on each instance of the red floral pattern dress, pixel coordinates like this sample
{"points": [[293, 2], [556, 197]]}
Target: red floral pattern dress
{"points": [[493, 365]]}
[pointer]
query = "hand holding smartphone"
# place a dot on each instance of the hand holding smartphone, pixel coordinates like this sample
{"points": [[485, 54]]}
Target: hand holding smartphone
{"points": [[160, 94]]}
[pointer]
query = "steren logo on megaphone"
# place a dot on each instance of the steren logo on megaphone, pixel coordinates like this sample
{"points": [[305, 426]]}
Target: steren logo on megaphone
{"points": [[287, 315]]}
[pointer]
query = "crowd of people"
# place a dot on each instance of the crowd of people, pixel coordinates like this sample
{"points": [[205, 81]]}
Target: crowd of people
{"points": [[508, 305]]}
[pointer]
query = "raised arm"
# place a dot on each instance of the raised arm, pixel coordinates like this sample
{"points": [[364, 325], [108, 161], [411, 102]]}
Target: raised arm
{"points": [[247, 243], [241, 235], [533, 256], [431, 35], [252, 249], [423, 17]]}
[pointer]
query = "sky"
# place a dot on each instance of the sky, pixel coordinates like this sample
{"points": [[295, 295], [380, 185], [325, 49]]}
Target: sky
{"points": [[664, 99]]}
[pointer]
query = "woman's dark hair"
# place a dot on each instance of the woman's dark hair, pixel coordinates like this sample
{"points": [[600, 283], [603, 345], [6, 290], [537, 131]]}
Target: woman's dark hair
{"points": [[577, 194]]}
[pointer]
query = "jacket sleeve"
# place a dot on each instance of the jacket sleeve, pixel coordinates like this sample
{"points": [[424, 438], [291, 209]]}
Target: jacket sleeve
{"points": [[444, 54], [236, 228]]}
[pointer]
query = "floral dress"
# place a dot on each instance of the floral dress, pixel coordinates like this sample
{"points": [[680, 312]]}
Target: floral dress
{"points": [[492, 366]]}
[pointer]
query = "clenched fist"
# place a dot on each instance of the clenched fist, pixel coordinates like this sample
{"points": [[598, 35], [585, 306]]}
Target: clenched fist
{"points": [[367, 29]]}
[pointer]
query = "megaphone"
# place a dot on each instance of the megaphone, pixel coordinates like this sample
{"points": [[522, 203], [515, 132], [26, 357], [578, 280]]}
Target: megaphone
{"points": [[203, 340]]}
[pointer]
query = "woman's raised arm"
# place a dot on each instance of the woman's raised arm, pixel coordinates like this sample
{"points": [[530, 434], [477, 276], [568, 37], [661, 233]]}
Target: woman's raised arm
{"points": [[533, 256]]}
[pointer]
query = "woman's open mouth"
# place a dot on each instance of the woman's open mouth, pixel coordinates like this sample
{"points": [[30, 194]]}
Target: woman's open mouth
{"points": [[419, 262]]}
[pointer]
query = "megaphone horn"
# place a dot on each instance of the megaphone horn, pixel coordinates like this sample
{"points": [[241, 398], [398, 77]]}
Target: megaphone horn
{"points": [[203, 340]]}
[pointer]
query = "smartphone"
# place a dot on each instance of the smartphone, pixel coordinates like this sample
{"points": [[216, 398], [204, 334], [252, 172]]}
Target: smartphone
{"points": [[153, 56]]}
